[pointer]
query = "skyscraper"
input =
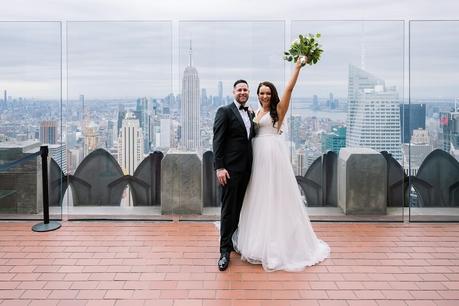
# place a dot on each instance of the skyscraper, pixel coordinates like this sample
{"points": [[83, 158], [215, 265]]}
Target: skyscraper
{"points": [[220, 92], [296, 124], [91, 138], [204, 97], [167, 102], [358, 81], [412, 117], [130, 144], [331, 102], [59, 153], [334, 140], [111, 133], [449, 123], [376, 122], [299, 163], [416, 151], [315, 102], [190, 138], [48, 132], [144, 111], [165, 136]]}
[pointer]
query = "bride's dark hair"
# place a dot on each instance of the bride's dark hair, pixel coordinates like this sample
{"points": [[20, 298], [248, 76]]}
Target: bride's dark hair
{"points": [[274, 100]]}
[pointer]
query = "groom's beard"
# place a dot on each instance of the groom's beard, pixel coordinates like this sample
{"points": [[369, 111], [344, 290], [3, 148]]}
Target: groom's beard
{"points": [[242, 101]]}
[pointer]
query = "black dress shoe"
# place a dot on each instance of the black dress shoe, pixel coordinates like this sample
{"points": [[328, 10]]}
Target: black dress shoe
{"points": [[223, 262]]}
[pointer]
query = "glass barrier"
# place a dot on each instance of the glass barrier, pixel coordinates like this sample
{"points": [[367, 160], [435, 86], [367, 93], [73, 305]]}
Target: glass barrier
{"points": [[345, 121], [433, 136], [134, 136], [212, 56], [30, 116], [120, 114]]}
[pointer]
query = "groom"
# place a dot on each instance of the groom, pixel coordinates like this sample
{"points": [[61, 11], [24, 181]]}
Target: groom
{"points": [[232, 146]]}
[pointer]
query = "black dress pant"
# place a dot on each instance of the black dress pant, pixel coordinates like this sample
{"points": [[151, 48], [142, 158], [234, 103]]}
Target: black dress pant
{"points": [[232, 197]]}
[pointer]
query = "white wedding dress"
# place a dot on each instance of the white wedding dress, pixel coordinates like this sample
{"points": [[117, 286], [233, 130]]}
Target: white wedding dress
{"points": [[274, 229]]}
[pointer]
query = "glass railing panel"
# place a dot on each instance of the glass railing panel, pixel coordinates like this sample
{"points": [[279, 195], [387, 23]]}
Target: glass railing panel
{"points": [[345, 111], [434, 121], [119, 111], [212, 56], [138, 78], [30, 116]]}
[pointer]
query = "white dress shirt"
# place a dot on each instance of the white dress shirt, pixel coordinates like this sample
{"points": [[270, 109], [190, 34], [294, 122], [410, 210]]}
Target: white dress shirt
{"points": [[245, 117]]}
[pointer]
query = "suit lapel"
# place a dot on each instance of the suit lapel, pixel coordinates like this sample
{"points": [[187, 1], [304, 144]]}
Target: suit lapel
{"points": [[252, 126], [238, 116]]}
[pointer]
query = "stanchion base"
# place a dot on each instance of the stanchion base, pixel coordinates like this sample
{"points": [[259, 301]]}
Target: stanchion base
{"points": [[46, 227]]}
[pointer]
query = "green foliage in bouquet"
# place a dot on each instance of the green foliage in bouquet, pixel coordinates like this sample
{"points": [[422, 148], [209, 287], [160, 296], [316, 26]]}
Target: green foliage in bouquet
{"points": [[305, 46]]}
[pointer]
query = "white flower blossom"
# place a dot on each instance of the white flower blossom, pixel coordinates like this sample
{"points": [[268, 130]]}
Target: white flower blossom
{"points": [[296, 41]]}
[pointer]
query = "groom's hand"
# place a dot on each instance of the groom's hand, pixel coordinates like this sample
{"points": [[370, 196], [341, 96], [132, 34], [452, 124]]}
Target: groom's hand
{"points": [[222, 176]]}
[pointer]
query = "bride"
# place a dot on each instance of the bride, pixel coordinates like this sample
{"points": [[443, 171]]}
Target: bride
{"points": [[274, 229]]}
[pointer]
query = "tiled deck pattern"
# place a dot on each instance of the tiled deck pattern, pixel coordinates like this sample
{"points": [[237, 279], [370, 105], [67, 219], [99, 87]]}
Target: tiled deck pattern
{"points": [[174, 264]]}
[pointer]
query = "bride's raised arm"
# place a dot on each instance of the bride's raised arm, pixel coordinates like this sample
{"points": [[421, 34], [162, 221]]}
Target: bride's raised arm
{"points": [[284, 102]]}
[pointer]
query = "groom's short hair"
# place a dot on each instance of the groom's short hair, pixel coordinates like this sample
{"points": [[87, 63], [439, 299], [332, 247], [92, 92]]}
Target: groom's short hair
{"points": [[240, 81]]}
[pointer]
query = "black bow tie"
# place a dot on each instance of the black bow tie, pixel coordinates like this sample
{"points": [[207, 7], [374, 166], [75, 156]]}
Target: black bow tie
{"points": [[245, 108]]}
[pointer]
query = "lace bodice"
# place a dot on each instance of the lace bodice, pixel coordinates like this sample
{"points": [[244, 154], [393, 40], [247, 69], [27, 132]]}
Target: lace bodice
{"points": [[265, 126]]}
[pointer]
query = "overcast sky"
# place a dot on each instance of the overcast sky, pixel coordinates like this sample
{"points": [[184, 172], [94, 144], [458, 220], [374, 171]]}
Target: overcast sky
{"points": [[231, 39]]}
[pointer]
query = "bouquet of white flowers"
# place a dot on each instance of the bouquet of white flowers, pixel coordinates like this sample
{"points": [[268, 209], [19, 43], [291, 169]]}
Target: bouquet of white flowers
{"points": [[304, 47]]}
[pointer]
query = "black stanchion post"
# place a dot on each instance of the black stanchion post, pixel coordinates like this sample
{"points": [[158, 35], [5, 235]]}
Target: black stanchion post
{"points": [[44, 172], [46, 225]]}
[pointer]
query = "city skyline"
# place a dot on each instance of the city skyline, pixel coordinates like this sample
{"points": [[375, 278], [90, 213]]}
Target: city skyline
{"points": [[90, 126]]}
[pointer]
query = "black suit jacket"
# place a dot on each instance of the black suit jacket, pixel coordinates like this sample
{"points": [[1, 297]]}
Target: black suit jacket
{"points": [[232, 149]]}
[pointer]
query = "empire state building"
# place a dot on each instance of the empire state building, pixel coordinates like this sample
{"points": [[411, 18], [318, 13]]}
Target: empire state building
{"points": [[191, 136]]}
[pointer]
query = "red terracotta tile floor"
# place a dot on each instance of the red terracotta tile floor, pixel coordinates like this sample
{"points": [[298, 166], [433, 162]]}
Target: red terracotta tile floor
{"points": [[174, 264]]}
